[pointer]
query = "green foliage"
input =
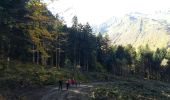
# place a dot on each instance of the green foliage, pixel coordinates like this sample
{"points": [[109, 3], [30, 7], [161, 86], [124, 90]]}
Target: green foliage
{"points": [[131, 90], [100, 67], [14, 75], [68, 64]]}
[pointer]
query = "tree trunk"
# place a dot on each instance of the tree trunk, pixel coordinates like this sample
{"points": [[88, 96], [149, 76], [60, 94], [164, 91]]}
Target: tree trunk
{"points": [[59, 58], [74, 55], [38, 57], [52, 59], [56, 59], [33, 57], [87, 65]]}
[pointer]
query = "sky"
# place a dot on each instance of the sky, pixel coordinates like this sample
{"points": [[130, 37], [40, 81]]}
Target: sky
{"points": [[98, 11]]}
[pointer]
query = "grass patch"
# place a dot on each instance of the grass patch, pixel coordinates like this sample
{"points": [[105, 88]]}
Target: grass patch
{"points": [[131, 90]]}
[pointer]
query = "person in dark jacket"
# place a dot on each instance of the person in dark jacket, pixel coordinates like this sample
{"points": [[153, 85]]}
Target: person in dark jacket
{"points": [[60, 87], [67, 84]]}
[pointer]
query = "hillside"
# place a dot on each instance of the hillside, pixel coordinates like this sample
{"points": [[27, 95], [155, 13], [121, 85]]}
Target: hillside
{"points": [[139, 29]]}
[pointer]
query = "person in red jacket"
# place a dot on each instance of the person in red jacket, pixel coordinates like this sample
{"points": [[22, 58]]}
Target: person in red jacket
{"points": [[69, 81], [72, 81]]}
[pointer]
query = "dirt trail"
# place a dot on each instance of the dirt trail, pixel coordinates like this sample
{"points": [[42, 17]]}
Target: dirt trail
{"points": [[74, 93], [51, 93]]}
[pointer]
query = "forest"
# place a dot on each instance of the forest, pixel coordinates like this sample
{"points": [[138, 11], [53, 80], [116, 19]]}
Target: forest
{"points": [[37, 48]]}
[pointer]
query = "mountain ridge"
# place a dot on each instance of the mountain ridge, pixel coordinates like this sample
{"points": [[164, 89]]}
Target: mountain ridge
{"points": [[139, 30]]}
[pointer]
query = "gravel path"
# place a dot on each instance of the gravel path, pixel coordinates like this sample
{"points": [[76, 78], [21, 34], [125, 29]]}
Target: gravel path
{"points": [[74, 93]]}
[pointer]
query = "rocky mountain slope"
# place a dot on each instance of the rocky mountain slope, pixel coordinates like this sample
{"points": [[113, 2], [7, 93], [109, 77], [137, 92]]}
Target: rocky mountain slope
{"points": [[139, 29]]}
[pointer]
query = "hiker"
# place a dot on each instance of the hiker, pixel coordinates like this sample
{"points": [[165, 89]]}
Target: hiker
{"points": [[67, 84], [72, 81], [60, 84], [69, 81]]}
